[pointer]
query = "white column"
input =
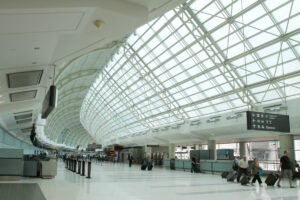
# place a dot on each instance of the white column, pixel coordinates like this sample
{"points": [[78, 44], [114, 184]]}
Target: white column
{"points": [[212, 149], [171, 151], [243, 149], [147, 151], [287, 143]]}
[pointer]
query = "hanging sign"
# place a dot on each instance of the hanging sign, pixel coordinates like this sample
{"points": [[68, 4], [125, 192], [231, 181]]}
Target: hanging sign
{"points": [[268, 122]]}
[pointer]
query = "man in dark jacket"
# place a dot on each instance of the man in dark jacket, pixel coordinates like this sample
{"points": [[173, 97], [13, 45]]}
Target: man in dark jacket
{"points": [[286, 169], [130, 159]]}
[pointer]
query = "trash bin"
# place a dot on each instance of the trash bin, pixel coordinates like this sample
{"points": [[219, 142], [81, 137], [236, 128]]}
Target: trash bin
{"points": [[172, 164]]}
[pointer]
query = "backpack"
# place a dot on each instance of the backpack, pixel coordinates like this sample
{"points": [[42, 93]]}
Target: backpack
{"points": [[235, 166]]}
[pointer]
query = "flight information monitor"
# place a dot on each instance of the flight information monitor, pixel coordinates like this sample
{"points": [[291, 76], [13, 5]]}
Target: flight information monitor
{"points": [[268, 122]]}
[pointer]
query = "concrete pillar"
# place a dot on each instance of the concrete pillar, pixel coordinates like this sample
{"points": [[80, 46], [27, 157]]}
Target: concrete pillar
{"points": [[287, 143], [212, 149], [171, 151], [147, 151], [243, 149]]}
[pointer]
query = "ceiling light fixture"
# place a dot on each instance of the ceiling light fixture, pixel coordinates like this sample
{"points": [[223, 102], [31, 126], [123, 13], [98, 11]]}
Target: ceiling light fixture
{"points": [[98, 23], [36, 48]]}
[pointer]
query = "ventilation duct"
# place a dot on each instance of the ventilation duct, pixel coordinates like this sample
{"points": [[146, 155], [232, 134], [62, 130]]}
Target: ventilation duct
{"points": [[24, 121], [23, 79], [22, 96], [22, 117]]}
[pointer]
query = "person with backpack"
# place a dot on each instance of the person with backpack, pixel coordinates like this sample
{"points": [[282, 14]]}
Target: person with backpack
{"points": [[235, 165], [243, 168]]}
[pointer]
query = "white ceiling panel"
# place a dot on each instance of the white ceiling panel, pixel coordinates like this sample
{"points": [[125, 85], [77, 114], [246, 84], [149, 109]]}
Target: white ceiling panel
{"points": [[21, 23]]}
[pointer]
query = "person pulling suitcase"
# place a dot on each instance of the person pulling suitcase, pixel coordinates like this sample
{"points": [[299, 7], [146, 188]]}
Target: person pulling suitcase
{"points": [[255, 169], [243, 168]]}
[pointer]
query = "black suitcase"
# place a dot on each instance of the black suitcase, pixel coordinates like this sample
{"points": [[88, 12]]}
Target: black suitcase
{"points": [[150, 167], [143, 167], [296, 175], [245, 180], [230, 177], [271, 179], [224, 174]]}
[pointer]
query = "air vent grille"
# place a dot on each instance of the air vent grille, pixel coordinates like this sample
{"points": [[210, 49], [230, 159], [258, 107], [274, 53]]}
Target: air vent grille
{"points": [[25, 116], [23, 79], [23, 96], [24, 121], [26, 130], [23, 112]]}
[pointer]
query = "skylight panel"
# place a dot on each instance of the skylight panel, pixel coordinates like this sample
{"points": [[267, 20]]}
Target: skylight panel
{"points": [[282, 13], [290, 91], [260, 39], [269, 50], [291, 66], [293, 23], [274, 4], [200, 4], [253, 14], [221, 32], [203, 16], [158, 24], [222, 106], [213, 22], [158, 50], [207, 110], [235, 50]]}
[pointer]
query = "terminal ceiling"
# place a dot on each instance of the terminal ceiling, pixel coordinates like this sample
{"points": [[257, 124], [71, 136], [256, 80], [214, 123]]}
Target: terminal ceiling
{"points": [[201, 59]]}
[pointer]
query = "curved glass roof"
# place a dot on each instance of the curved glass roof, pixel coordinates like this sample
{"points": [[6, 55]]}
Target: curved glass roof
{"points": [[201, 58]]}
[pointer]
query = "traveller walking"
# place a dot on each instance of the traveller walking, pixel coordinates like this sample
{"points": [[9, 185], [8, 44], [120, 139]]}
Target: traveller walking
{"points": [[255, 171], [193, 167], [243, 168], [286, 169], [130, 159]]}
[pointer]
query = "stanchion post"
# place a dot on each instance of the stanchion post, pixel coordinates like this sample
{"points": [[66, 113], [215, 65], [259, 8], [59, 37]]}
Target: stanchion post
{"points": [[79, 167], [75, 165], [89, 169], [83, 168]]}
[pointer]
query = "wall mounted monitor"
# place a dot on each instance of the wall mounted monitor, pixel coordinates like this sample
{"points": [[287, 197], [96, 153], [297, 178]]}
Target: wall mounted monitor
{"points": [[49, 102]]}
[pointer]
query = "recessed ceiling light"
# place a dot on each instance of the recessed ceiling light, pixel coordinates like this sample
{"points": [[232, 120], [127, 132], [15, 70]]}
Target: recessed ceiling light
{"points": [[1, 102], [1, 95], [36, 48]]}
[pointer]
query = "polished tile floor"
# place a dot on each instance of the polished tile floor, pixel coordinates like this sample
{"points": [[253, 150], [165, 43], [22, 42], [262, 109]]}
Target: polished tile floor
{"points": [[117, 181]]}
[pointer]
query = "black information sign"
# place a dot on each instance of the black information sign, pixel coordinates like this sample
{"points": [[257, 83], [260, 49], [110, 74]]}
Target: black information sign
{"points": [[267, 122]]}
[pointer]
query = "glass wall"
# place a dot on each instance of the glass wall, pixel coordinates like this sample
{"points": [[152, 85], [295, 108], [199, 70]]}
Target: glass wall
{"points": [[201, 58], [8, 141]]}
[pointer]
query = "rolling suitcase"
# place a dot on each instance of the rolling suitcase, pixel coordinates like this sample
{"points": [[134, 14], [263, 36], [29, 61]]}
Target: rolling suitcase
{"points": [[224, 174], [245, 180], [143, 167], [230, 177], [150, 167], [271, 179]]}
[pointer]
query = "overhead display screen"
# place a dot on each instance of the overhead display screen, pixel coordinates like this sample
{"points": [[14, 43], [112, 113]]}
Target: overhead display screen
{"points": [[268, 122]]}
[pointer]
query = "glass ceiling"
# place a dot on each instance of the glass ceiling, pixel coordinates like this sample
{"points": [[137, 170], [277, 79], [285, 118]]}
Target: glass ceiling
{"points": [[201, 58]]}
